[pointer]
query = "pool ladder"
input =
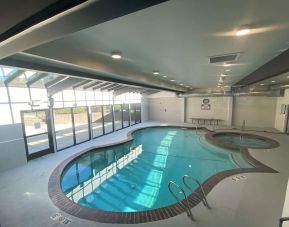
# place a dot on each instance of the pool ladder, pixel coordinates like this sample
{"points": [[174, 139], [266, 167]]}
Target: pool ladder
{"points": [[186, 203]]}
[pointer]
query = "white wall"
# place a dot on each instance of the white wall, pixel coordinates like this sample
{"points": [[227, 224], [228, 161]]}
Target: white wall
{"points": [[257, 111], [166, 106], [12, 147], [280, 118], [221, 108]]}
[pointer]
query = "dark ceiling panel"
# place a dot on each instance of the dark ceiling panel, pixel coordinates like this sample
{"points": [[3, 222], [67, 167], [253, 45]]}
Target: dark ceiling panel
{"points": [[276, 66]]}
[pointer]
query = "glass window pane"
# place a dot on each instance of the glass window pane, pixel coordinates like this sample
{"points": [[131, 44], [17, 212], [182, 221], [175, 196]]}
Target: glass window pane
{"points": [[96, 119], [3, 94], [5, 118], [117, 117], [81, 124], [16, 109], [18, 94], [37, 143], [125, 111], [68, 95], [63, 128], [107, 118], [138, 113], [132, 114]]}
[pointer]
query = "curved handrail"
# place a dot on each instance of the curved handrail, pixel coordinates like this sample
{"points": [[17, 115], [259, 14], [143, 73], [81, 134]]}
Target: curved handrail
{"points": [[203, 198], [188, 209]]}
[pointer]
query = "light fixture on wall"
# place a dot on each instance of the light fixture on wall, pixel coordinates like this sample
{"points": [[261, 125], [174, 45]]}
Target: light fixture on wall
{"points": [[116, 55], [243, 30]]}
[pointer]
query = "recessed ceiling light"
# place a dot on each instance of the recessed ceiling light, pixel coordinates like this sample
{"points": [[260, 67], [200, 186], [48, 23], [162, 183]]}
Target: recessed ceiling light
{"points": [[243, 30], [228, 70], [181, 84], [116, 55], [227, 65], [287, 76], [156, 72], [262, 84], [165, 76], [172, 80], [273, 81]]}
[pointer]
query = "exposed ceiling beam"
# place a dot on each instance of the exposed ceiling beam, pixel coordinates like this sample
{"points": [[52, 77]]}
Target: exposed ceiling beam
{"points": [[274, 67], [55, 81], [114, 87], [12, 76], [94, 83], [117, 88], [62, 85], [100, 85], [81, 84], [37, 78], [107, 87], [28, 61]]}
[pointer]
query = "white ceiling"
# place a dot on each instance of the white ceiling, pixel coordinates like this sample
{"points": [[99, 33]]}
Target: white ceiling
{"points": [[176, 38]]}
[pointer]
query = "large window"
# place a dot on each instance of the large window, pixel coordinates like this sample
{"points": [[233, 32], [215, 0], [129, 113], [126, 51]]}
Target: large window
{"points": [[125, 113], [138, 113], [81, 124], [132, 114], [97, 121], [63, 128], [108, 119], [117, 117]]}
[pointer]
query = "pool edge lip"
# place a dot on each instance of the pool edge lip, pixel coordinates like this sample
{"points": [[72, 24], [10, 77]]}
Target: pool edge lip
{"points": [[61, 201], [211, 138]]}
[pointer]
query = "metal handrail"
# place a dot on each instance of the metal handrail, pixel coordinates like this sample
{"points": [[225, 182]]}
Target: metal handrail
{"points": [[282, 220], [187, 205], [203, 197]]}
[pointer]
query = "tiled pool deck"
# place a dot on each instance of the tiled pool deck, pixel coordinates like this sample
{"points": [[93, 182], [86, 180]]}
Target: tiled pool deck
{"points": [[255, 201]]}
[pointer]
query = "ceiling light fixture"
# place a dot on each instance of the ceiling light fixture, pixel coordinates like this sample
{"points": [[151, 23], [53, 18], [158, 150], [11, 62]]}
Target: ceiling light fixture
{"points": [[116, 55], [156, 72], [243, 30], [181, 84], [227, 65], [165, 76], [262, 84], [172, 80], [273, 81], [228, 70]]}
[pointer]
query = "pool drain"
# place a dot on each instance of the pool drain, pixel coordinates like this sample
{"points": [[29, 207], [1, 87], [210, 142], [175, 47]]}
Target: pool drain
{"points": [[240, 177], [58, 217]]}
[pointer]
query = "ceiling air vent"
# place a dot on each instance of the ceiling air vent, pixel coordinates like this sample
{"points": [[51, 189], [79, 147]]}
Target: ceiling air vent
{"points": [[224, 58]]}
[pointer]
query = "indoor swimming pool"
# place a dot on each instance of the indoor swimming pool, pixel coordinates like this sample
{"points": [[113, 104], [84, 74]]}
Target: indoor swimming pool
{"points": [[134, 176]]}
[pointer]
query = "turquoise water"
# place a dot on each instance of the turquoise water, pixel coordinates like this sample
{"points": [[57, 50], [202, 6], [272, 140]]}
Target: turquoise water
{"points": [[245, 141], [134, 176]]}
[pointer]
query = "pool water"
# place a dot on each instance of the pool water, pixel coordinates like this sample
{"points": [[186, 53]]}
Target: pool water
{"points": [[243, 141], [134, 176]]}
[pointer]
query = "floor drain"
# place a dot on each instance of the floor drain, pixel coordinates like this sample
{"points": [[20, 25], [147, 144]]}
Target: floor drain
{"points": [[58, 217], [241, 177]]}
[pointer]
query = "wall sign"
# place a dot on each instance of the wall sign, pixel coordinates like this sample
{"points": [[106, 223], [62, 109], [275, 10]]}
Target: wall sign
{"points": [[206, 104]]}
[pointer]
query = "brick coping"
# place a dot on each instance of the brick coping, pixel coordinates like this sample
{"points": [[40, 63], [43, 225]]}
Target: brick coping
{"points": [[65, 204]]}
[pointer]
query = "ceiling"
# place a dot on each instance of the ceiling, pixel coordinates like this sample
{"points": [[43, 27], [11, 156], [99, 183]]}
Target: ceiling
{"points": [[176, 38]]}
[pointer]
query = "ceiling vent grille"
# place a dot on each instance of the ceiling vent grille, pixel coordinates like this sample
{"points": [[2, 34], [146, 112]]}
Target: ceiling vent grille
{"points": [[225, 58]]}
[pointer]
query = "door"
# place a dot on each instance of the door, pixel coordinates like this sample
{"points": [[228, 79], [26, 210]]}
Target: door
{"points": [[37, 133]]}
